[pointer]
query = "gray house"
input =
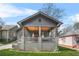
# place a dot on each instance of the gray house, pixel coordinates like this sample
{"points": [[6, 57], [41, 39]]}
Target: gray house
{"points": [[8, 33], [37, 32]]}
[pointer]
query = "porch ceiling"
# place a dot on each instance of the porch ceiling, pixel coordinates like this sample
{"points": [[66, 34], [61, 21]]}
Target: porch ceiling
{"points": [[36, 28]]}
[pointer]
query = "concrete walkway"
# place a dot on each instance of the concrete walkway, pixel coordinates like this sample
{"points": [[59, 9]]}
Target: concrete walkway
{"points": [[6, 46]]}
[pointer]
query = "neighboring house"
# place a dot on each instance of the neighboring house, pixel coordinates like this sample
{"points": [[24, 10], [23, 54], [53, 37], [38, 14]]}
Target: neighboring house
{"points": [[70, 36], [37, 32], [8, 33]]}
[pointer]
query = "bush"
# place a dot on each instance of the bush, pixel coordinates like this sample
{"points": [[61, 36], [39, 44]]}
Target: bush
{"points": [[4, 41]]}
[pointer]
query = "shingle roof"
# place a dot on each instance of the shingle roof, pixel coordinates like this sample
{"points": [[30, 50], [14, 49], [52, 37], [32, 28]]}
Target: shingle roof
{"points": [[73, 30], [7, 27]]}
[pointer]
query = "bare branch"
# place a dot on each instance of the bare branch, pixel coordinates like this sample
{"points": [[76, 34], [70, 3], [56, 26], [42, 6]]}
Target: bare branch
{"points": [[52, 10]]}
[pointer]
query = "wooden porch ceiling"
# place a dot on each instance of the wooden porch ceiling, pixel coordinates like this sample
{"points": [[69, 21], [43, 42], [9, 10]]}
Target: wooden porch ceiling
{"points": [[35, 28]]}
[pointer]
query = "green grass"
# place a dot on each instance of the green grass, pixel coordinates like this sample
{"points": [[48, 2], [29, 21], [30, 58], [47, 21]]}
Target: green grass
{"points": [[62, 52]]}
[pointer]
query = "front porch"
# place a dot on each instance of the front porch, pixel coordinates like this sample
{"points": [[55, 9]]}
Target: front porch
{"points": [[36, 38], [46, 44]]}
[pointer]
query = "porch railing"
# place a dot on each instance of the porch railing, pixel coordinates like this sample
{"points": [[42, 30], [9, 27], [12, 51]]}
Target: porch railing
{"points": [[35, 39], [32, 43], [47, 43]]}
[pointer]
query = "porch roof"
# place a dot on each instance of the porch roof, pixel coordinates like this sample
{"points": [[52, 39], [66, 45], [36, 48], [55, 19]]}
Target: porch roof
{"points": [[36, 28]]}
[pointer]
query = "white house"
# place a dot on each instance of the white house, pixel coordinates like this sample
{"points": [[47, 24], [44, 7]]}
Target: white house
{"points": [[70, 36]]}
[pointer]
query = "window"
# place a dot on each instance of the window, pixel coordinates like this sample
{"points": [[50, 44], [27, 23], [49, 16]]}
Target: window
{"points": [[39, 20], [77, 40]]}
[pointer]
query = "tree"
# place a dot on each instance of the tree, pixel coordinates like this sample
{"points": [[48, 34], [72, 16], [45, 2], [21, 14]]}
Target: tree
{"points": [[1, 21], [52, 10]]}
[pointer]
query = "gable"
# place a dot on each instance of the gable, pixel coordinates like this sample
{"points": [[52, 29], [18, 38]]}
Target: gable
{"points": [[30, 18], [40, 21], [7, 27]]}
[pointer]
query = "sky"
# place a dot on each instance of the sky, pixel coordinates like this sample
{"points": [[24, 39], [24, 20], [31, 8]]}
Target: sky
{"points": [[13, 12]]}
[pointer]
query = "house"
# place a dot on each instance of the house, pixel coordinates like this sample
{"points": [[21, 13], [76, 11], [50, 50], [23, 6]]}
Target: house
{"points": [[70, 36], [8, 33], [37, 32]]}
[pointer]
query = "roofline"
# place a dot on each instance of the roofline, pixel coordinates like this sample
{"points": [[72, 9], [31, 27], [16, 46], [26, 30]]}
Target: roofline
{"points": [[13, 27], [26, 18], [10, 28], [51, 17], [59, 24], [69, 35], [19, 22]]}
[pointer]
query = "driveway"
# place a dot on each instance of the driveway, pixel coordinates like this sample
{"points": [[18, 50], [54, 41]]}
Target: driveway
{"points": [[6, 46]]}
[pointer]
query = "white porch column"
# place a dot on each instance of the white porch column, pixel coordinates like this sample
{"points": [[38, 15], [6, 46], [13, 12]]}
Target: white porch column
{"points": [[50, 34], [42, 35], [55, 32], [56, 38], [32, 34], [23, 38], [39, 39]]}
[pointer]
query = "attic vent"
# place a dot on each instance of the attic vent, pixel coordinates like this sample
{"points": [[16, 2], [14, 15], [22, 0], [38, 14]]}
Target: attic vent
{"points": [[39, 20]]}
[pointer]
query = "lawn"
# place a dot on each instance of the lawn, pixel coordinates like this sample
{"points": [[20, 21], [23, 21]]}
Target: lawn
{"points": [[62, 52]]}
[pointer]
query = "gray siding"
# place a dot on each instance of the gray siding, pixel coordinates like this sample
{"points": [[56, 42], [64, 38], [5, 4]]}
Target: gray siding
{"points": [[20, 38], [12, 33], [44, 22], [4, 34], [0, 35]]}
